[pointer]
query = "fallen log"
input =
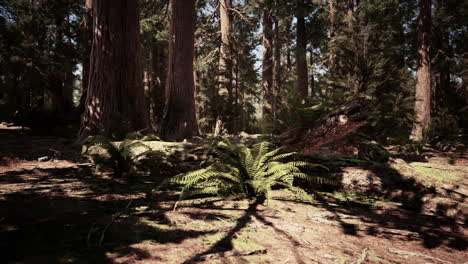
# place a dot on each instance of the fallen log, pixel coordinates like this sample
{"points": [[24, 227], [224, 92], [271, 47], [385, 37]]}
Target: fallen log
{"points": [[333, 126]]}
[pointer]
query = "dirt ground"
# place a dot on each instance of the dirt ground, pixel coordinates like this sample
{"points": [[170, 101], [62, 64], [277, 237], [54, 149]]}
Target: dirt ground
{"points": [[61, 211]]}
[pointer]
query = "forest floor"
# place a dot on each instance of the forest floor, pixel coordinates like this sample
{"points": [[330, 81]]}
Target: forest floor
{"points": [[60, 211]]}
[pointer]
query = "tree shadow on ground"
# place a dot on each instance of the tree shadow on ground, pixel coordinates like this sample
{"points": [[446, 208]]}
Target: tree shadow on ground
{"points": [[225, 244], [48, 221], [410, 217]]}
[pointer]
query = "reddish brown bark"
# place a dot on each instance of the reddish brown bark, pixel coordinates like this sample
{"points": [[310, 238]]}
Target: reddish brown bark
{"points": [[115, 96], [225, 66], [423, 74], [179, 119]]}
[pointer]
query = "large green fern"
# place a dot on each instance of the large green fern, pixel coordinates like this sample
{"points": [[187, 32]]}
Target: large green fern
{"points": [[245, 171], [119, 156]]}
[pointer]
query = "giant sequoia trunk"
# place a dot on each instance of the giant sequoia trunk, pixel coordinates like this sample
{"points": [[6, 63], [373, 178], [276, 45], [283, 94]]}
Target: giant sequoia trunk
{"points": [[301, 58], [267, 63], [423, 86], [115, 93], [225, 66], [179, 119]]}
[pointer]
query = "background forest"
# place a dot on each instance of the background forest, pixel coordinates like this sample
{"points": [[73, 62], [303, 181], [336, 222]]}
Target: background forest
{"points": [[233, 131], [258, 66]]}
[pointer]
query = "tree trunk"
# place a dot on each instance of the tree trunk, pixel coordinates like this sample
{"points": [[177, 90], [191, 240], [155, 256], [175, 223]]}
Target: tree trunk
{"points": [[267, 63], [301, 49], [443, 95], [288, 46], [423, 86], [159, 68], [311, 74], [351, 75], [277, 69], [115, 96], [87, 43], [179, 119], [225, 65], [331, 43]]}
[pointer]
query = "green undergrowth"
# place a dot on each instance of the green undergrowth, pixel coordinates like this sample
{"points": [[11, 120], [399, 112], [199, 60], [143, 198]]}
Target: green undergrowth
{"points": [[440, 172]]}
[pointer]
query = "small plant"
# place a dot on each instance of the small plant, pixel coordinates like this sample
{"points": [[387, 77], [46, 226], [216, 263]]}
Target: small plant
{"points": [[119, 156], [238, 170]]}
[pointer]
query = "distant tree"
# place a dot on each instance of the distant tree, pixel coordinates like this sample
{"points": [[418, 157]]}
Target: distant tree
{"points": [[424, 74], [179, 118], [301, 50], [267, 61], [115, 96], [225, 65], [277, 67], [87, 44], [332, 39]]}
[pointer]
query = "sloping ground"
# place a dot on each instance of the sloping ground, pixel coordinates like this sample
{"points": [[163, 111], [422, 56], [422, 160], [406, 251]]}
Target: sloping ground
{"points": [[61, 212]]}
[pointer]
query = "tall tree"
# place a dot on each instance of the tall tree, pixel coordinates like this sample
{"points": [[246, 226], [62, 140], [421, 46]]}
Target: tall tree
{"points": [[267, 61], [87, 44], [179, 118], [424, 75], [350, 17], [276, 67], [301, 51], [331, 42], [225, 65], [115, 92]]}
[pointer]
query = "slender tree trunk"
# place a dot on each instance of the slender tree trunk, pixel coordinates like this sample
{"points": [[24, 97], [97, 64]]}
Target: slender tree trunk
{"points": [[267, 62], [179, 119], [311, 74], [350, 75], [87, 43], [225, 65], [277, 69], [301, 53], [443, 95], [159, 63], [331, 43], [288, 46], [196, 85], [115, 93], [423, 86]]}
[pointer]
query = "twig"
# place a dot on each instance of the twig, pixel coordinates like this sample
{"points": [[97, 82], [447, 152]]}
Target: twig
{"points": [[112, 221], [89, 234], [362, 258]]}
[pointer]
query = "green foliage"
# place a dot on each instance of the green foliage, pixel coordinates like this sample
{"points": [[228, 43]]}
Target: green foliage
{"points": [[239, 170], [121, 157], [294, 114], [137, 135]]}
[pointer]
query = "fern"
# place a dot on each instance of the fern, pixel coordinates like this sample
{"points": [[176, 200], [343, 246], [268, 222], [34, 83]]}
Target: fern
{"points": [[120, 157], [245, 171]]}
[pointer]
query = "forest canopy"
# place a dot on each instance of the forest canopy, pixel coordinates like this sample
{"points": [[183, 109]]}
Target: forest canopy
{"points": [[233, 66]]}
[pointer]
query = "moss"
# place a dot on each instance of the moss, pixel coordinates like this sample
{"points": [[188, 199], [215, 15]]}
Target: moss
{"points": [[355, 198], [245, 244], [446, 173]]}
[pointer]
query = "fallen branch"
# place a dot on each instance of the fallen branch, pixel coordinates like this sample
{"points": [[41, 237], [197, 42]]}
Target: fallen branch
{"points": [[414, 254], [362, 258]]}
